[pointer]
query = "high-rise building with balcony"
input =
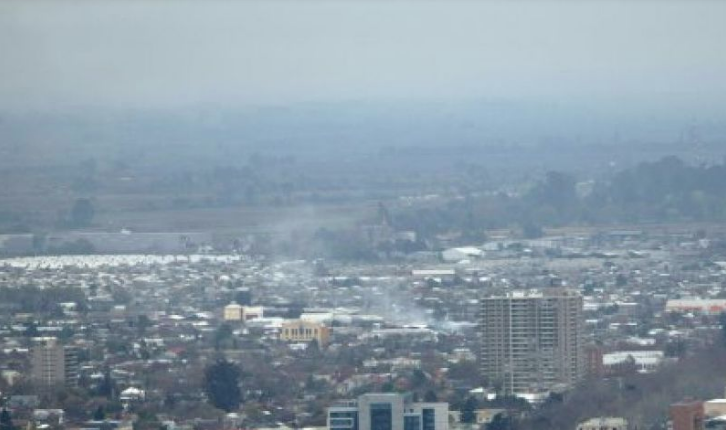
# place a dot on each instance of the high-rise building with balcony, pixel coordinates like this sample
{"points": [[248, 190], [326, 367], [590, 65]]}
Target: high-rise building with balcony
{"points": [[54, 365], [532, 341]]}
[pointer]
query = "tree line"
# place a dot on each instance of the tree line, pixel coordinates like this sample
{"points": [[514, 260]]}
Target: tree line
{"points": [[667, 190]]}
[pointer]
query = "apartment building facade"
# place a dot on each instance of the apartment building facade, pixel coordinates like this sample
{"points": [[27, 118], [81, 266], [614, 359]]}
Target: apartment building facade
{"points": [[532, 341], [54, 365]]}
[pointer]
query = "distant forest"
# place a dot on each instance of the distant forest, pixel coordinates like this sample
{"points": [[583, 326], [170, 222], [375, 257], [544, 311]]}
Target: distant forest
{"points": [[668, 190]]}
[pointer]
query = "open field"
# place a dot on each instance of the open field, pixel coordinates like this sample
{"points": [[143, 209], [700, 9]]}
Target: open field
{"points": [[243, 219]]}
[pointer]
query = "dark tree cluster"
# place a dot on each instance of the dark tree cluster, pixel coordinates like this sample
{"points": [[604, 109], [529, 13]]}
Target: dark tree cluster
{"points": [[221, 384], [668, 190], [642, 399], [31, 299]]}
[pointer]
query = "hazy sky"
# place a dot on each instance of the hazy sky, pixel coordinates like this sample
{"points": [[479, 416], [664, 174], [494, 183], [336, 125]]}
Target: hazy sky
{"points": [[167, 53]]}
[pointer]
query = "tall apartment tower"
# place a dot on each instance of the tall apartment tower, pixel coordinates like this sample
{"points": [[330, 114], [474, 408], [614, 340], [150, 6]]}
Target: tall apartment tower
{"points": [[54, 365], [532, 341]]}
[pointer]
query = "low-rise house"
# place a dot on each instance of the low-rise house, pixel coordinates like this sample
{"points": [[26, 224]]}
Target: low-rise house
{"points": [[604, 423]]}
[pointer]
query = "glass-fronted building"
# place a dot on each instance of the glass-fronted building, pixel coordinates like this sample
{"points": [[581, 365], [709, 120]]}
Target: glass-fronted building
{"points": [[387, 411]]}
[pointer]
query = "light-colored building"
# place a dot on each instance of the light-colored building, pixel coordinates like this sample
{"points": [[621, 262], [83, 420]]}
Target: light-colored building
{"points": [[452, 255], [49, 417], [380, 411], [252, 313], [237, 312], [486, 416], [317, 317], [443, 274], [426, 416], [304, 332], [132, 394], [604, 423], [642, 361], [714, 408], [233, 312], [532, 341], [703, 306], [388, 411], [343, 415], [54, 365]]}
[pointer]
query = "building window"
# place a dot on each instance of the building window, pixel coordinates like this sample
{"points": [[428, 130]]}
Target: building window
{"points": [[344, 420], [381, 416], [428, 416], [412, 422]]}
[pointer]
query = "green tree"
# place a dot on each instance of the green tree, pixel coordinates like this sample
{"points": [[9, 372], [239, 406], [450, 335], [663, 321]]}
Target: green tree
{"points": [[621, 280], [99, 414], [221, 384], [66, 334], [82, 213], [500, 422], [557, 191], [147, 420], [677, 348], [76, 247], [313, 349], [142, 323], [106, 387], [722, 323], [430, 397], [6, 420], [468, 411], [418, 378], [223, 336], [31, 330], [531, 230], [39, 240]]}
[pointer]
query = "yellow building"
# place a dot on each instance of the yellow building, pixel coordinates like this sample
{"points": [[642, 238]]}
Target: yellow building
{"points": [[236, 312], [233, 312], [304, 331]]}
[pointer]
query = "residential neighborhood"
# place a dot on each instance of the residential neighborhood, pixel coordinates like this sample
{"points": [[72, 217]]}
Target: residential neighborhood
{"points": [[128, 340]]}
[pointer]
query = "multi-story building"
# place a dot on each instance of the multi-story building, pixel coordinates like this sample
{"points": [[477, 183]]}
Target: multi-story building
{"points": [[54, 365], [388, 411], [236, 312], [305, 331], [532, 341]]}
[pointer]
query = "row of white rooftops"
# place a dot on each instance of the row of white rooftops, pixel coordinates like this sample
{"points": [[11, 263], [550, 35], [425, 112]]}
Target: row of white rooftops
{"points": [[647, 359], [340, 315], [93, 261], [537, 293], [708, 306]]}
